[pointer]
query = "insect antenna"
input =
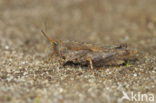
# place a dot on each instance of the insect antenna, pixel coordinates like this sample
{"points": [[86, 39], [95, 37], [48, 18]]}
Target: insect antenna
{"points": [[53, 42], [50, 40]]}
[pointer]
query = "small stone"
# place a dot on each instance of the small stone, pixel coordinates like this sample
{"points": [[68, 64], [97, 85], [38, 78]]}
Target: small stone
{"points": [[6, 47], [135, 75]]}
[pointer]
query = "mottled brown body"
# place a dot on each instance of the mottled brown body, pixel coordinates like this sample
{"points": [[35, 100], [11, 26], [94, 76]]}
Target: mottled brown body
{"points": [[86, 54]]}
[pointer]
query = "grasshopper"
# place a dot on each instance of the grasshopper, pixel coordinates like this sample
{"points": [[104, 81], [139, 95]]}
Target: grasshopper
{"points": [[71, 52]]}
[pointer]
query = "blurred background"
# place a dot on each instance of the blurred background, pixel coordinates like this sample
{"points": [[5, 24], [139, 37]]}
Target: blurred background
{"points": [[103, 22]]}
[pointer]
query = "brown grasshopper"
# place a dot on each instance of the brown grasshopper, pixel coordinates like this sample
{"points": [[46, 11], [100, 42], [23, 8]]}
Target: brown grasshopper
{"points": [[69, 52]]}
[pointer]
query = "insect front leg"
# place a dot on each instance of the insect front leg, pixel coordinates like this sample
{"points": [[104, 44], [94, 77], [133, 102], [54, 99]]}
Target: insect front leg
{"points": [[56, 52], [52, 57]]}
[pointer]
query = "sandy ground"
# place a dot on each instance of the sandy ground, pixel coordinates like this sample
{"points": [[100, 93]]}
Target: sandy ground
{"points": [[26, 77]]}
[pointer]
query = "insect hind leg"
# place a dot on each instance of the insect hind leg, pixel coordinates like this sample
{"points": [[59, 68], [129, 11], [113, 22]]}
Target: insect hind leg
{"points": [[90, 63]]}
